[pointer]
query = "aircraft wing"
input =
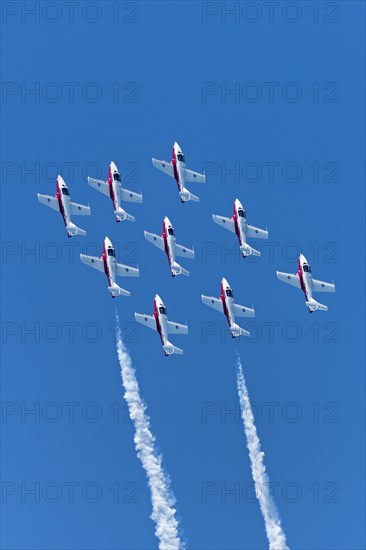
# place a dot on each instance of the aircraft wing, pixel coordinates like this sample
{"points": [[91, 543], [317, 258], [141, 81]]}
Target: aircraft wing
{"points": [[155, 239], [99, 185], [256, 233], [176, 328], [164, 166], [126, 271], [130, 196], [183, 251], [320, 286], [195, 176], [228, 223], [289, 278], [213, 302], [79, 209], [47, 200], [92, 261], [243, 311], [147, 320]]}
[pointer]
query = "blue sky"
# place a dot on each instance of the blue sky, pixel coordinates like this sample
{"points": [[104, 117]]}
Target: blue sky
{"points": [[172, 65]]}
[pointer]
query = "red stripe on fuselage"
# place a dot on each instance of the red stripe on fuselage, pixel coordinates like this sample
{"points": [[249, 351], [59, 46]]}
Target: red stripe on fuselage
{"points": [[176, 175], [236, 225], [60, 205], [226, 311], [302, 283], [106, 269], [111, 190], [166, 246], [158, 325]]}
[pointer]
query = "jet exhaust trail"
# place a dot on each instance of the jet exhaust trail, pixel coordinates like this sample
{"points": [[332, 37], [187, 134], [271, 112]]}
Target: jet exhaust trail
{"points": [[276, 536], [163, 500]]}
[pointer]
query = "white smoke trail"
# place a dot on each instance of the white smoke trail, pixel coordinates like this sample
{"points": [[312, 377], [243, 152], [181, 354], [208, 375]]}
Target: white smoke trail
{"points": [[163, 501], [276, 537]]}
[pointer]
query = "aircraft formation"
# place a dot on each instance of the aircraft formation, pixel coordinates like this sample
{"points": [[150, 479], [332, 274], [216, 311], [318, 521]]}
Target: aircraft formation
{"points": [[237, 224]]}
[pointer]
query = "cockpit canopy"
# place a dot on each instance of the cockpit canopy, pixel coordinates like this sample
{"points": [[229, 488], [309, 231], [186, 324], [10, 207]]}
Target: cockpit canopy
{"points": [[65, 191], [170, 231], [242, 213], [162, 310], [229, 293], [180, 157], [306, 268], [117, 177], [111, 252]]}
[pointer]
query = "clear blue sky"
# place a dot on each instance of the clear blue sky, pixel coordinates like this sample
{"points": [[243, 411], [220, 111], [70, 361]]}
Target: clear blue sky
{"points": [[161, 54]]}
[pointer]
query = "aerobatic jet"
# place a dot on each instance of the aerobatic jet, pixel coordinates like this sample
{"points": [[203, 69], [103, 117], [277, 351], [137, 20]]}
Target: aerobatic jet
{"points": [[107, 263], [159, 322], [167, 244], [177, 170], [113, 189], [238, 224], [226, 305], [303, 279], [62, 203]]}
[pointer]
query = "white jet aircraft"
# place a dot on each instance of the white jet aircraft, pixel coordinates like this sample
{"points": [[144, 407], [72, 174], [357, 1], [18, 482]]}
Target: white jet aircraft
{"points": [[62, 203], [108, 263], [226, 304], [304, 280], [113, 188], [167, 244], [238, 224], [159, 322], [177, 170]]}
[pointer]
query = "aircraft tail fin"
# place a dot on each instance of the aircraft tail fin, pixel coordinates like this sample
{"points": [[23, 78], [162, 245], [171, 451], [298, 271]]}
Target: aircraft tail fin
{"points": [[116, 290], [122, 215], [186, 196], [313, 305], [248, 250], [73, 230], [179, 270], [238, 331], [169, 349]]}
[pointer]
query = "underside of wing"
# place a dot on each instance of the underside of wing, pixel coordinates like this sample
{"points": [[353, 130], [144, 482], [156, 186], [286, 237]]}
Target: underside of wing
{"points": [[130, 196], [195, 176], [99, 185], [243, 311], [92, 261], [164, 166], [289, 278], [256, 233], [183, 251], [176, 328], [126, 271], [320, 286], [215, 303], [47, 200], [79, 209], [147, 320], [155, 239], [228, 223]]}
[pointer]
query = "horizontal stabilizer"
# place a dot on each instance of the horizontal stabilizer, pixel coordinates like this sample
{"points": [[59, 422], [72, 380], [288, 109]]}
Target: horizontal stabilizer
{"points": [[179, 270], [122, 215], [313, 305], [73, 230], [248, 250], [169, 349], [116, 290], [238, 331], [186, 196]]}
